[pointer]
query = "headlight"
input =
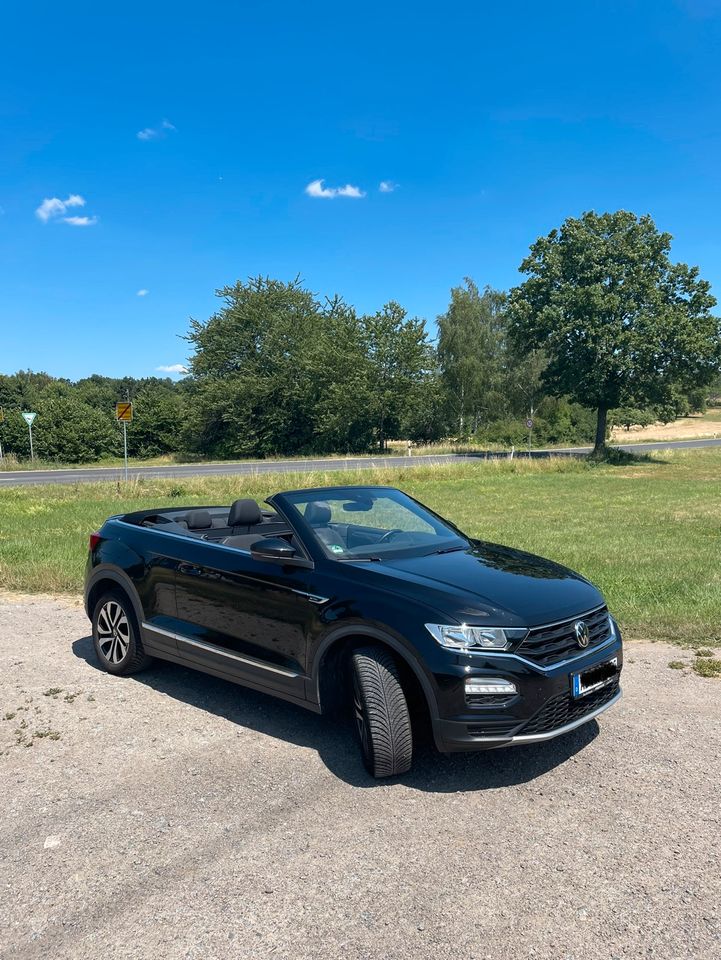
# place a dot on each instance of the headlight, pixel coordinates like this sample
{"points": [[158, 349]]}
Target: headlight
{"points": [[475, 638]]}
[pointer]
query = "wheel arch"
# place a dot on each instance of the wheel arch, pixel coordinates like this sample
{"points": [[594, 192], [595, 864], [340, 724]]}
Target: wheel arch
{"points": [[336, 646], [105, 577]]}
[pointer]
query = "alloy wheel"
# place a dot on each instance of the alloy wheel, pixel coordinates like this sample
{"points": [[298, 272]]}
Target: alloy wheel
{"points": [[113, 632]]}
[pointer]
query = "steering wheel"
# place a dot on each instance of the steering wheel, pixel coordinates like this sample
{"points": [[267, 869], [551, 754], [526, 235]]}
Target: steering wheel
{"points": [[389, 533]]}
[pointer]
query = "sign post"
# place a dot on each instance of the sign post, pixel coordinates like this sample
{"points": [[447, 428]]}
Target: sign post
{"points": [[124, 415], [28, 418], [529, 424]]}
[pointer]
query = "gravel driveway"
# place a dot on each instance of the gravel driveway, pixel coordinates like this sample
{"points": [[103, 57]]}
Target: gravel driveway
{"points": [[175, 815]]}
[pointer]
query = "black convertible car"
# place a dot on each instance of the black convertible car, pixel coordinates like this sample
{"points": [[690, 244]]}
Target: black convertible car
{"points": [[359, 597]]}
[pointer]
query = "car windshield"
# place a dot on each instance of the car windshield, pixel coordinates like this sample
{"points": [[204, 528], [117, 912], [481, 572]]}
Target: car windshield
{"points": [[368, 523]]}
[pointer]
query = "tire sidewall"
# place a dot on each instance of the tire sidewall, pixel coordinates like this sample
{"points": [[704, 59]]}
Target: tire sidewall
{"points": [[366, 748], [118, 597]]}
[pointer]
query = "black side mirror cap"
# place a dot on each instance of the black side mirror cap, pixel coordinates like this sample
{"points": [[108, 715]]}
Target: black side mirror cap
{"points": [[272, 549]]}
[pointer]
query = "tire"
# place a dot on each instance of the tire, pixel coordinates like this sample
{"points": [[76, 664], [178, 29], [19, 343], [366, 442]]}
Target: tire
{"points": [[116, 636], [381, 714]]}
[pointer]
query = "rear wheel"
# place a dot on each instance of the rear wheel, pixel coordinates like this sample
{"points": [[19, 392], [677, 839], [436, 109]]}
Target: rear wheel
{"points": [[116, 635], [381, 712]]}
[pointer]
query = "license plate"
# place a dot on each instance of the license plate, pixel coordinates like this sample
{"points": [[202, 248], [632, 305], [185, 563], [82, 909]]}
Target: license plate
{"points": [[595, 677]]}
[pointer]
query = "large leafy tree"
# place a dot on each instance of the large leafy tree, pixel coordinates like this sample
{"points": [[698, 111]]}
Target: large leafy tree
{"points": [[253, 362], [616, 319]]}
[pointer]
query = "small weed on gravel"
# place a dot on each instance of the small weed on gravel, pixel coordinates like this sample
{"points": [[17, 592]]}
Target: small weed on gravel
{"points": [[53, 692], [50, 734], [677, 664], [704, 652], [9, 715], [707, 668]]}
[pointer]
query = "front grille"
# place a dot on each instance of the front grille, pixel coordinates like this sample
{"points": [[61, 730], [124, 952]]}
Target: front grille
{"points": [[549, 645], [564, 709]]}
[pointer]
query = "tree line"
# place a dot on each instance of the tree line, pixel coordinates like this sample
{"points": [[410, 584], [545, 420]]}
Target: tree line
{"points": [[604, 328]]}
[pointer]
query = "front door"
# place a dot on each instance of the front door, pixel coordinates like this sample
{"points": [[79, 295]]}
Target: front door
{"points": [[245, 618]]}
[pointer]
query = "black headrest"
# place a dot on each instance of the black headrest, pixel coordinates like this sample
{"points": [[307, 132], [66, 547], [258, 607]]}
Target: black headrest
{"points": [[244, 512], [317, 513], [198, 520]]}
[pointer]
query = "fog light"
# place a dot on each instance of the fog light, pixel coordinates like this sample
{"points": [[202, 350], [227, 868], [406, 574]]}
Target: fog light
{"points": [[489, 685]]}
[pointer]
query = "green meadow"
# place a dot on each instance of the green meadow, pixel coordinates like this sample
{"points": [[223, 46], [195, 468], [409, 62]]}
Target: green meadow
{"points": [[647, 532]]}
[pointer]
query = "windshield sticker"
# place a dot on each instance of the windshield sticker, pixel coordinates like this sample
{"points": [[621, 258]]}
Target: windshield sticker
{"points": [[335, 548]]}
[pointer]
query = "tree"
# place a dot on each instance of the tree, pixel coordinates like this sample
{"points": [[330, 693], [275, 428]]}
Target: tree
{"points": [[471, 341], [398, 357], [252, 364], [617, 319]]}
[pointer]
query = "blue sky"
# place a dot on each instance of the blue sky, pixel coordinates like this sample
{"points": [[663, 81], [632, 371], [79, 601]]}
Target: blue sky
{"points": [[192, 133]]}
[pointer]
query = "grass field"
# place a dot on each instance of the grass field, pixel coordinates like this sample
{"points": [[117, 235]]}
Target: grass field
{"points": [[648, 533]]}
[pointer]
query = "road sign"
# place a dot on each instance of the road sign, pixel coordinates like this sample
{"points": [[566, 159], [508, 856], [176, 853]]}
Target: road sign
{"points": [[124, 411], [529, 423], [28, 418]]}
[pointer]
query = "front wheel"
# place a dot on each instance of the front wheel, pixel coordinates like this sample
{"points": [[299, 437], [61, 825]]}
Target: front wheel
{"points": [[381, 713], [116, 635]]}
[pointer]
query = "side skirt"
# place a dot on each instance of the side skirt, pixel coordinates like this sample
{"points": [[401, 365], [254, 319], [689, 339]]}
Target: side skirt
{"points": [[163, 653]]}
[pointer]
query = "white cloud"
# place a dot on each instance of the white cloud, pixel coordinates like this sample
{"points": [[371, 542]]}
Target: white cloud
{"points": [[156, 133], [387, 186], [172, 368], [316, 189], [142, 293], [53, 206], [81, 221]]}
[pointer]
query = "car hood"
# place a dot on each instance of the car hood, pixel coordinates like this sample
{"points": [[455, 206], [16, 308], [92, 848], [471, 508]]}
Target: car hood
{"points": [[493, 581]]}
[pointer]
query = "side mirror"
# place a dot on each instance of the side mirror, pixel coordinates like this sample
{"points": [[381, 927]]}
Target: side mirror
{"points": [[272, 549]]}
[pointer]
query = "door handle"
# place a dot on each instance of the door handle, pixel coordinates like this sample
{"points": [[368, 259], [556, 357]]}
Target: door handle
{"points": [[189, 569]]}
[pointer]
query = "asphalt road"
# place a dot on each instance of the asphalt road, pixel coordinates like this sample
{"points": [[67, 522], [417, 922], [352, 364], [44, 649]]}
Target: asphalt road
{"points": [[94, 474], [173, 815]]}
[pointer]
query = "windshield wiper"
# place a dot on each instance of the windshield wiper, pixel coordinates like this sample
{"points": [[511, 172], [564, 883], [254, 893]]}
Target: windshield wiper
{"points": [[360, 559], [446, 550]]}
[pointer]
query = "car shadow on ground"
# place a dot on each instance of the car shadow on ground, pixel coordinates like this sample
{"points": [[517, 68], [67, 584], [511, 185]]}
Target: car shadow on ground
{"points": [[335, 742]]}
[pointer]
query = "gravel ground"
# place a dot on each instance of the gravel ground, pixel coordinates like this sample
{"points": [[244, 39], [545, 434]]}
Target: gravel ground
{"points": [[176, 815]]}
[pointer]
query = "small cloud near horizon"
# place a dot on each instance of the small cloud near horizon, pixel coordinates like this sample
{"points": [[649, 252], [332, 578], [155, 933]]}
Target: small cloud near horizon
{"points": [[316, 189], [172, 368], [142, 293], [156, 133], [387, 186]]}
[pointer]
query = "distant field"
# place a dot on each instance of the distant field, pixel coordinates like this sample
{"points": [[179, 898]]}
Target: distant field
{"points": [[648, 534], [700, 426]]}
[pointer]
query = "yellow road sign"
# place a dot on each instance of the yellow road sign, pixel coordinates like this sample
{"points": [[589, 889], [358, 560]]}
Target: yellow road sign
{"points": [[124, 411]]}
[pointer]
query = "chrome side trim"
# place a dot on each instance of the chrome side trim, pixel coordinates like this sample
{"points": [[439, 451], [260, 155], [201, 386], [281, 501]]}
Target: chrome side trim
{"points": [[164, 633], [212, 648], [551, 734], [312, 597]]}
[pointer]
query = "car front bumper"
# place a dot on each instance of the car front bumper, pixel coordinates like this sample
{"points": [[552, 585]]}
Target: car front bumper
{"points": [[543, 709]]}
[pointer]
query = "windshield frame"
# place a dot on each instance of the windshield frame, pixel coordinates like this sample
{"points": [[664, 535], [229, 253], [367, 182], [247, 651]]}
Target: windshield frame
{"points": [[288, 504]]}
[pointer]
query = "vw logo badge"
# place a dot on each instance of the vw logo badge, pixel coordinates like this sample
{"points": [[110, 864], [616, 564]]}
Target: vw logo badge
{"points": [[582, 635]]}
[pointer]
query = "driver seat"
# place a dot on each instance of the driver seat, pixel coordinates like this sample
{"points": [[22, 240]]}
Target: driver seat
{"points": [[317, 514]]}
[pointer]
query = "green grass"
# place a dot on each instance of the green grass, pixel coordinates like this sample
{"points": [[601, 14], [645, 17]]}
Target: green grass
{"points": [[647, 532]]}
